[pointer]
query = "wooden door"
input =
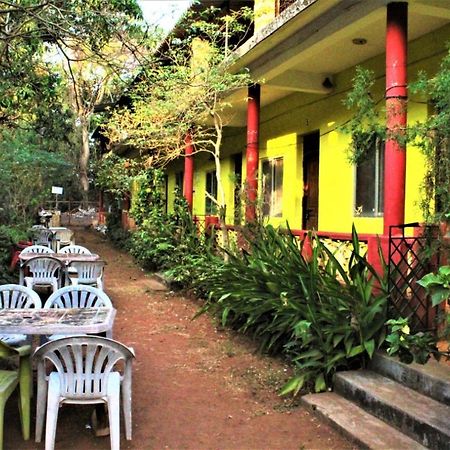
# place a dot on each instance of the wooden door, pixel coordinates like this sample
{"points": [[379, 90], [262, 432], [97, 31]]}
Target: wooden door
{"points": [[310, 202]]}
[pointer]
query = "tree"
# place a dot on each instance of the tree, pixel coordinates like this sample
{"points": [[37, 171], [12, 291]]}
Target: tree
{"points": [[82, 31], [27, 172], [183, 92]]}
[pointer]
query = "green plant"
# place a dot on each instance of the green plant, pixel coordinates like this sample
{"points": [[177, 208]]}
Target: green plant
{"points": [[114, 231], [409, 347], [437, 285], [430, 135], [311, 309], [8, 237]]}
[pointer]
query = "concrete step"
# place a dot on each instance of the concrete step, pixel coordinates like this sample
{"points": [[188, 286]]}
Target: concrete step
{"points": [[356, 424], [431, 379], [420, 417]]}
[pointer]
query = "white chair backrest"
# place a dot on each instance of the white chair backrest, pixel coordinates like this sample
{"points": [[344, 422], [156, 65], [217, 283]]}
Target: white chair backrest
{"points": [[78, 297], [42, 236], [77, 249], [44, 268], [14, 296], [84, 364], [88, 271], [36, 249]]}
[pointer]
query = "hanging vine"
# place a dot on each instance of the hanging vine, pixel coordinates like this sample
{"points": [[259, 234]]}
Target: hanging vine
{"points": [[431, 136]]}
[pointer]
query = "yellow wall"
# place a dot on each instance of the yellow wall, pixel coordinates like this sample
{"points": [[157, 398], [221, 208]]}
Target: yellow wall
{"points": [[284, 122]]}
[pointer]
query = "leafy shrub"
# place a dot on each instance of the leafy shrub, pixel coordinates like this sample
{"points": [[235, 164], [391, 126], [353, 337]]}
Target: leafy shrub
{"points": [[8, 237], [119, 237], [296, 306], [171, 242], [409, 347]]}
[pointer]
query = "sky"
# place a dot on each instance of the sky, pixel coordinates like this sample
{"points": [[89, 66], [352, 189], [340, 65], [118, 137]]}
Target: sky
{"points": [[164, 12]]}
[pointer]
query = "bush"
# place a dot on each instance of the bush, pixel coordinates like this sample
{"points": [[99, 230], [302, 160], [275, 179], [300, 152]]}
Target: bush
{"points": [[8, 237], [119, 237], [321, 316], [170, 242]]}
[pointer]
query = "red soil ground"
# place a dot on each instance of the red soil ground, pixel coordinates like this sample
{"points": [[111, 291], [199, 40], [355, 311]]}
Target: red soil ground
{"points": [[195, 386]]}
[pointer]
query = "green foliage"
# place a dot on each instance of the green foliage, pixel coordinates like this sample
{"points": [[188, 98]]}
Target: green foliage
{"points": [[182, 90], [8, 237], [29, 84], [431, 135], [320, 316], [367, 121], [114, 175], [119, 237], [168, 241], [27, 172], [149, 196], [409, 347], [437, 285]]}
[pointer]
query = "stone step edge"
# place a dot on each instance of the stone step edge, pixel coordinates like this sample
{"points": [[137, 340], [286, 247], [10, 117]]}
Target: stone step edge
{"points": [[431, 379], [363, 387], [356, 424]]}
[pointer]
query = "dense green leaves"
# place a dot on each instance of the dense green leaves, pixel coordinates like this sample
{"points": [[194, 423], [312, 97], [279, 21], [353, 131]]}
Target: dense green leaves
{"points": [[321, 316], [27, 172], [437, 284], [431, 134]]}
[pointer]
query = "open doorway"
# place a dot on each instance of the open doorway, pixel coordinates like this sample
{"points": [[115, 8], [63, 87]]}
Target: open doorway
{"points": [[310, 201]]}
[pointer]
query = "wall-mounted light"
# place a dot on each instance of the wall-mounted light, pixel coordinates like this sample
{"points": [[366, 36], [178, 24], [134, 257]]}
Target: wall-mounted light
{"points": [[359, 41], [327, 83]]}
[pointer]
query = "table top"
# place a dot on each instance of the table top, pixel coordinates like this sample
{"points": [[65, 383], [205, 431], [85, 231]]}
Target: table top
{"points": [[56, 320], [64, 257]]}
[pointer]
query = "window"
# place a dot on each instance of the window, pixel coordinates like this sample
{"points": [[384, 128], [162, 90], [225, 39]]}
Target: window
{"points": [[179, 180], [369, 196], [211, 189], [272, 188]]}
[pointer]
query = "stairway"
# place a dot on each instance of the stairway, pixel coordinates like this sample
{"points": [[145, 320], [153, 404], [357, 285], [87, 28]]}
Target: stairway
{"points": [[389, 406]]}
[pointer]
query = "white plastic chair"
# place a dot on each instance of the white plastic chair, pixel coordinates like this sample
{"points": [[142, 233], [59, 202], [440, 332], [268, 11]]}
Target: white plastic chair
{"points": [[43, 237], [14, 296], [76, 249], [78, 297], [62, 238], [83, 370], [88, 272], [37, 249], [44, 271]]}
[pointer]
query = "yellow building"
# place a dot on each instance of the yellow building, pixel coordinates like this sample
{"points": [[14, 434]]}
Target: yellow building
{"points": [[304, 55]]}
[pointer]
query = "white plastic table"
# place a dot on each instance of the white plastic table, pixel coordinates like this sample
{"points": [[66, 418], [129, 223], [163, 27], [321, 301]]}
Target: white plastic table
{"points": [[57, 321]]}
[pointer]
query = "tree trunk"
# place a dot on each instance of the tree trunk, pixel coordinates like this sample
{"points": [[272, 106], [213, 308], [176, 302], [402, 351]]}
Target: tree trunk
{"points": [[220, 191], [84, 160]]}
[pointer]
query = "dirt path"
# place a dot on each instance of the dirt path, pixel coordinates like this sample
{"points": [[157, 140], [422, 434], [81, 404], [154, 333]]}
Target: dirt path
{"points": [[195, 386]]}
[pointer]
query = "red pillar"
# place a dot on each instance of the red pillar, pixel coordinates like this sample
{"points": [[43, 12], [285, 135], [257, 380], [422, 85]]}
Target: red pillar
{"points": [[396, 96], [252, 151], [188, 185]]}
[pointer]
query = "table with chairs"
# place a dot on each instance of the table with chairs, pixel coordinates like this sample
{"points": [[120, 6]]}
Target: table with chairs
{"points": [[74, 364], [40, 266], [55, 238]]}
